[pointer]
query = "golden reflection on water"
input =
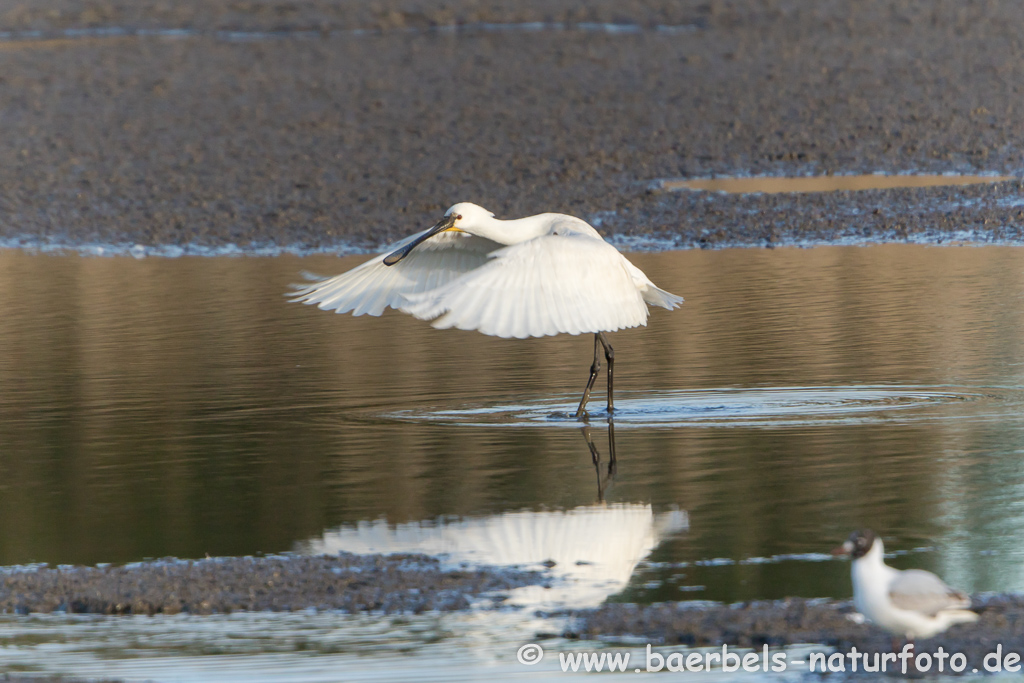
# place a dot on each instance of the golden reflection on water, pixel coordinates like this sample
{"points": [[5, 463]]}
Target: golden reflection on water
{"points": [[180, 407], [21, 45], [831, 183]]}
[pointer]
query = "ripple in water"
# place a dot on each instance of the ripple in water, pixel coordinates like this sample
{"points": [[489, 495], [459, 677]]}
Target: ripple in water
{"points": [[766, 406]]}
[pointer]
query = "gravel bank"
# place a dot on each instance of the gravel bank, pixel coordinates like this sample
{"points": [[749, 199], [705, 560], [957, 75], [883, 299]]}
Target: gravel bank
{"points": [[345, 582], [334, 139], [798, 621]]}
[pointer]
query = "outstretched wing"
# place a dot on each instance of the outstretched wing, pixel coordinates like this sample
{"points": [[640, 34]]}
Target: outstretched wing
{"points": [[652, 294], [571, 283], [920, 591], [370, 288]]}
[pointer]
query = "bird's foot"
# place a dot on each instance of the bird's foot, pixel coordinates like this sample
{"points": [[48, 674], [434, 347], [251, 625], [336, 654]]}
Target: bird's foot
{"points": [[561, 415]]}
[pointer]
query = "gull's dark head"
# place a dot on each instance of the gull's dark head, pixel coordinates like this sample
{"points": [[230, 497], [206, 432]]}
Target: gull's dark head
{"points": [[858, 544]]}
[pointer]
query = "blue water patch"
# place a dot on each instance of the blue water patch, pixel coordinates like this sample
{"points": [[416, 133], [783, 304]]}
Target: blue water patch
{"points": [[738, 407]]}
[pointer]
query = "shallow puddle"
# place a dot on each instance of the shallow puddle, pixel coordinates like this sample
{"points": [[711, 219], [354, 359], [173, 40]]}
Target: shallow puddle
{"points": [[831, 183], [180, 407]]}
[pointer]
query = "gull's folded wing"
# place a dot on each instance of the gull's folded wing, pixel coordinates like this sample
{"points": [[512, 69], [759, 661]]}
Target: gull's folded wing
{"points": [[920, 591]]}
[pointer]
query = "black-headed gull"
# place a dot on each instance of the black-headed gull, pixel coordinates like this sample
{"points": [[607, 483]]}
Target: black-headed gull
{"points": [[912, 602], [531, 277]]}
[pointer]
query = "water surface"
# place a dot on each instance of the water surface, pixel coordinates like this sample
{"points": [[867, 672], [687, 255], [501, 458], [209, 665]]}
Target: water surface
{"points": [[829, 183], [181, 407], [156, 407]]}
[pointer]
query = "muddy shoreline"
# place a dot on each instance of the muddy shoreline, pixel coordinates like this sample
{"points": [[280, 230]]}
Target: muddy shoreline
{"points": [[413, 584], [351, 124], [344, 582], [797, 621]]}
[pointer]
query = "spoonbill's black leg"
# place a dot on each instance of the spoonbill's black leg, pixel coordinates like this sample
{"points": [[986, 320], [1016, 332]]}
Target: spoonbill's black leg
{"points": [[609, 355], [595, 368]]}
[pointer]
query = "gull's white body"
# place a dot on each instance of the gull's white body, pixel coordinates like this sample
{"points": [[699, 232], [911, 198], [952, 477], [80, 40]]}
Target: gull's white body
{"points": [[912, 603], [531, 277]]}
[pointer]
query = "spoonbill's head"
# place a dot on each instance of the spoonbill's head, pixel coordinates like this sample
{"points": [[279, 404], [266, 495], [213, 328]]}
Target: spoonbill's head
{"points": [[858, 544], [460, 217], [468, 213]]}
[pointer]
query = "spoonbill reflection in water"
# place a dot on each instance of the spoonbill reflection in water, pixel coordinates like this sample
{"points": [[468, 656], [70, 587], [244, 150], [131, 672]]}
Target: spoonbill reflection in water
{"points": [[532, 277], [595, 456], [590, 552]]}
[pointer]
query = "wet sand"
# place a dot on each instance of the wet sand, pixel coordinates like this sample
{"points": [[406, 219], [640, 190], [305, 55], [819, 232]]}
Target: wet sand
{"points": [[417, 583], [345, 582], [321, 137], [798, 621]]}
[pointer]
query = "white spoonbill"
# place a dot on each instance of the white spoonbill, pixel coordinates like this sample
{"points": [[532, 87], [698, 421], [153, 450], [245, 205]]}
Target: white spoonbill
{"points": [[532, 277], [911, 602]]}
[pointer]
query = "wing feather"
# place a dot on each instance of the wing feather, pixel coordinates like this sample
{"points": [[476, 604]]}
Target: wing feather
{"points": [[538, 313], [571, 283], [652, 294], [921, 591], [563, 312], [370, 288]]}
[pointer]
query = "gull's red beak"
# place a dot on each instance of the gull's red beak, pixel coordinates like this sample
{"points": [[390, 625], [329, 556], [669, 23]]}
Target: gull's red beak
{"points": [[844, 549]]}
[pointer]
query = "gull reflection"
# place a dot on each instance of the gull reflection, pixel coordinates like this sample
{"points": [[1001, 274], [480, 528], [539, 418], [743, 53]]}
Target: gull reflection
{"points": [[589, 551]]}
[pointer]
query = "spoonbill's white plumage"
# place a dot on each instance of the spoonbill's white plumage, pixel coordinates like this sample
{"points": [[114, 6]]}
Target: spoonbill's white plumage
{"points": [[532, 277], [913, 602]]}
